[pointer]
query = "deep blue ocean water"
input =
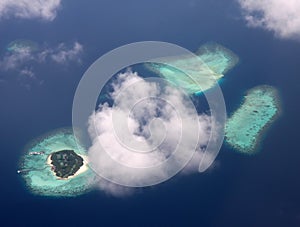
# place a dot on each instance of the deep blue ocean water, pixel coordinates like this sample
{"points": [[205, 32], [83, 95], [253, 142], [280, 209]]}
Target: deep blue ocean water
{"points": [[260, 190]]}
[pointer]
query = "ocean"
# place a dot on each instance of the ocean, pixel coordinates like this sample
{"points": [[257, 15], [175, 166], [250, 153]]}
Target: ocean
{"points": [[241, 190]]}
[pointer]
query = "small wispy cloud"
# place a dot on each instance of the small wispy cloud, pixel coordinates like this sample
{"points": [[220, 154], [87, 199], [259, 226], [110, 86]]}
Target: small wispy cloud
{"points": [[63, 55], [27, 72], [14, 60], [279, 16], [30, 9], [23, 59]]}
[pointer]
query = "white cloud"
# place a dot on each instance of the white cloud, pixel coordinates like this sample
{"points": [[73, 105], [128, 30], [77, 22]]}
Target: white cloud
{"points": [[63, 54], [27, 72], [28, 9], [280, 16], [113, 189], [142, 132], [20, 60], [15, 59]]}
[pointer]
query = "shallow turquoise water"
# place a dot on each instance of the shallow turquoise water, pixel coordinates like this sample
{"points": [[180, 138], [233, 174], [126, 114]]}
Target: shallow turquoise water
{"points": [[202, 72], [37, 173], [246, 125]]}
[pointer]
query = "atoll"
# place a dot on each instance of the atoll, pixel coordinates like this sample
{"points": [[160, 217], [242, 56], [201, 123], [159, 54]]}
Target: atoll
{"points": [[246, 126], [45, 175]]}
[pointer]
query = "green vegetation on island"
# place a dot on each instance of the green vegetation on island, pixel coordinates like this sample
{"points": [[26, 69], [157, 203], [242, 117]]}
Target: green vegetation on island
{"points": [[65, 163]]}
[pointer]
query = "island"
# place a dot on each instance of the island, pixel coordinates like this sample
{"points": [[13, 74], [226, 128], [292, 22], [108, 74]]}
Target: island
{"points": [[56, 164], [65, 163]]}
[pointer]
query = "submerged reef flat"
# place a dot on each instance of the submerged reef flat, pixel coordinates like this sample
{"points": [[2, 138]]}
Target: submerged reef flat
{"points": [[55, 165], [218, 58], [206, 68], [204, 77], [21, 45], [247, 124]]}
